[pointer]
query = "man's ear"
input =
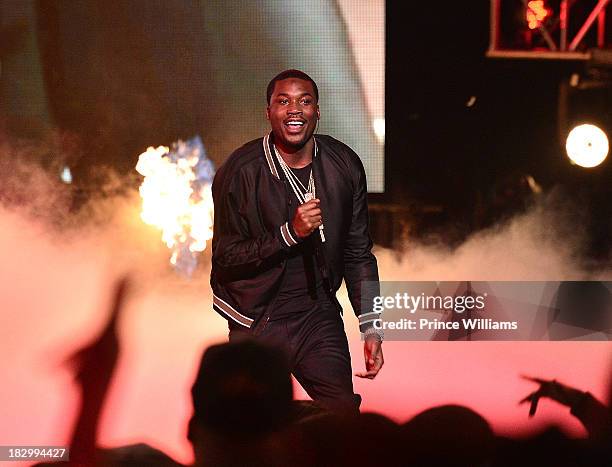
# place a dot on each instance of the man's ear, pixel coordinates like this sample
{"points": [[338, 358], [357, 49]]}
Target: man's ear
{"points": [[268, 113], [318, 113]]}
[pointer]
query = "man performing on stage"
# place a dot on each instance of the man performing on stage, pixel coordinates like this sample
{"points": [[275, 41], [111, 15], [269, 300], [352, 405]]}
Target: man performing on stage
{"points": [[291, 221]]}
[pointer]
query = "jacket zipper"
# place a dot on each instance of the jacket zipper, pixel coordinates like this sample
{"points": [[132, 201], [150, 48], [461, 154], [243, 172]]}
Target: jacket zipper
{"points": [[282, 281], [319, 243]]}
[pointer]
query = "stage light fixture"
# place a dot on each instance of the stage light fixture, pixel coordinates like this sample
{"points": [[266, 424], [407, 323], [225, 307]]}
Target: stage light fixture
{"points": [[536, 13], [587, 145]]}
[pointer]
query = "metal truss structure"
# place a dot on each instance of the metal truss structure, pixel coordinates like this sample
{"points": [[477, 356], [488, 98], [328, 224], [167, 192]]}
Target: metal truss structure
{"points": [[557, 49]]}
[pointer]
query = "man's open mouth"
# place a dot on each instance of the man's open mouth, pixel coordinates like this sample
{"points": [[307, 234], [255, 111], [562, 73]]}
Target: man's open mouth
{"points": [[295, 124]]}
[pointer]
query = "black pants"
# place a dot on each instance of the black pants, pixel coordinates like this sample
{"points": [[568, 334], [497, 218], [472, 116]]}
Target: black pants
{"points": [[318, 354]]}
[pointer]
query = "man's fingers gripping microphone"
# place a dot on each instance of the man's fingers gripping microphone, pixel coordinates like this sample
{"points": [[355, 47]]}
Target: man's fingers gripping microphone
{"points": [[309, 211]]}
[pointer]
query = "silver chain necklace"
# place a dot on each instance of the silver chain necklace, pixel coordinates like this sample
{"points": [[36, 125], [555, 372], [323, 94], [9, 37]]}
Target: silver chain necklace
{"points": [[302, 193]]}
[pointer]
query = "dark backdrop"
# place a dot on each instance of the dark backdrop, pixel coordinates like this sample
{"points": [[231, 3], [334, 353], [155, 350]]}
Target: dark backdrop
{"points": [[441, 152]]}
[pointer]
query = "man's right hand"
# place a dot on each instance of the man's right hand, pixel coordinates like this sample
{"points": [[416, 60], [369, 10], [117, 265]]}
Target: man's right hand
{"points": [[307, 218]]}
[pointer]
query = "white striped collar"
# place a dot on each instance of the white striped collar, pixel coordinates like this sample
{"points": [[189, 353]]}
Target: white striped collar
{"points": [[270, 157]]}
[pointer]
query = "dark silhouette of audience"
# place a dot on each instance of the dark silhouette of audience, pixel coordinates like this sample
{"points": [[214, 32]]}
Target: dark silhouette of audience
{"points": [[449, 435], [244, 415], [242, 398], [94, 366], [593, 414]]}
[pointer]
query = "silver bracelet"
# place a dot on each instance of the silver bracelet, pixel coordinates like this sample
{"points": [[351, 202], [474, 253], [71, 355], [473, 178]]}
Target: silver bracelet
{"points": [[374, 332]]}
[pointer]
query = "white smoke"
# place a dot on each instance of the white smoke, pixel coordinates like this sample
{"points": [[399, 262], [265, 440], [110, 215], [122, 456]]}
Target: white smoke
{"points": [[60, 259]]}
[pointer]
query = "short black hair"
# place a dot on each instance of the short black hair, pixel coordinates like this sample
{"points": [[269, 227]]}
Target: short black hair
{"points": [[242, 387], [290, 74]]}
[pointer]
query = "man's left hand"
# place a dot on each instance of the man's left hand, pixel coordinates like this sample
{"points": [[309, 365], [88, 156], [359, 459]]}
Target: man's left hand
{"points": [[372, 351]]}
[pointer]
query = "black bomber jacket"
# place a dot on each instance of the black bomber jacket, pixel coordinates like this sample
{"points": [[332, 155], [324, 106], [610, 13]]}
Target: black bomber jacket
{"points": [[252, 231]]}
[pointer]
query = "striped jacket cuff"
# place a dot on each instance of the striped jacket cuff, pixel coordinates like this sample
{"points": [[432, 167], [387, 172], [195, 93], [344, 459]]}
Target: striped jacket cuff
{"points": [[288, 236], [366, 320]]}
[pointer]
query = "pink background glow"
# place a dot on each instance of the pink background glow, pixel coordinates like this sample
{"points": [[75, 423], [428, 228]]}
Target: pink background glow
{"points": [[55, 297]]}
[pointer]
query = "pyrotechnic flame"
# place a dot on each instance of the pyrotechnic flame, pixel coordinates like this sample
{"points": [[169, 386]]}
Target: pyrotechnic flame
{"points": [[177, 198]]}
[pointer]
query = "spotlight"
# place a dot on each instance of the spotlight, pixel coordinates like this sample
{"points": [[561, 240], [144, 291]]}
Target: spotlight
{"points": [[584, 106], [587, 145]]}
